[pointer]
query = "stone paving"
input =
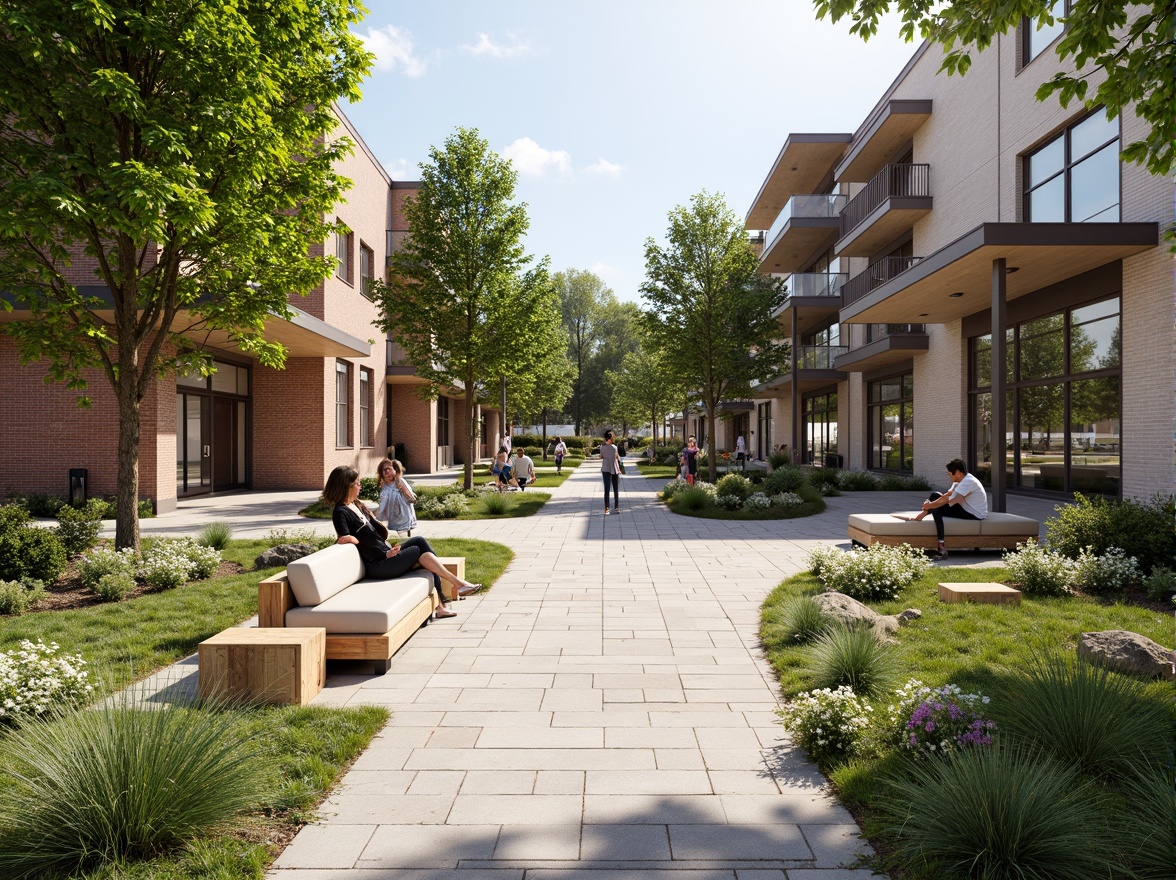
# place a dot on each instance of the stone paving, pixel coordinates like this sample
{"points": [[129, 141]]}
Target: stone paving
{"points": [[603, 712]]}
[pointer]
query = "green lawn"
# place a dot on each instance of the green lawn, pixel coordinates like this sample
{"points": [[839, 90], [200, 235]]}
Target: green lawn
{"points": [[658, 471]]}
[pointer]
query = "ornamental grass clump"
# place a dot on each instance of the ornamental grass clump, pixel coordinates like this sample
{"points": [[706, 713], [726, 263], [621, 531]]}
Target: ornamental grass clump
{"points": [[120, 782], [495, 504], [827, 723], [1037, 571], [857, 481], [854, 657], [37, 679], [877, 574], [801, 619], [215, 535], [931, 721], [694, 498]]}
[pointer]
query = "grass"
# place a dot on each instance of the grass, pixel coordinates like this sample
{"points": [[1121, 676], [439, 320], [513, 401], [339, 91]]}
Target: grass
{"points": [[658, 471], [134, 638], [522, 504]]}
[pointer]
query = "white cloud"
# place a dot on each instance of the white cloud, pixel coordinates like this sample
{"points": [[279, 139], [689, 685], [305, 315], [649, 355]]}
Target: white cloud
{"points": [[392, 47], [603, 166], [531, 160], [402, 169], [486, 46]]}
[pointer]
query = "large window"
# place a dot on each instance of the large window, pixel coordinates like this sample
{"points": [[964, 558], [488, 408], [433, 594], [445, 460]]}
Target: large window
{"points": [[367, 269], [365, 407], [342, 403], [344, 246], [1036, 36], [764, 440], [1075, 177], [890, 420], [1062, 402], [820, 427], [442, 421]]}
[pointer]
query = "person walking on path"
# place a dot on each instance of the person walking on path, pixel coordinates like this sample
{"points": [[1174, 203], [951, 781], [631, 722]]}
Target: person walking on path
{"points": [[965, 499], [524, 468], [741, 452], [690, 460], [561, 449], [610, 470]]}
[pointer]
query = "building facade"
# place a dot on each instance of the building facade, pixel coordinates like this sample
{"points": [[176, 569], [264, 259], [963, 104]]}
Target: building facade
{"points": [[965, 224]]}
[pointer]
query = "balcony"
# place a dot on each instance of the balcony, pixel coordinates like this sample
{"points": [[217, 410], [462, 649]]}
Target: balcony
{"points": [[818, 357], [886, 345], [814, 370], [882, 138], [813, 296], [890, 204], [875, 276], [399, 370], [806, 225]]}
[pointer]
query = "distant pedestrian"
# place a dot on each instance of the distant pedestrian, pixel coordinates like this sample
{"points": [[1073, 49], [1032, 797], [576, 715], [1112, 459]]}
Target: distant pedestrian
{"points": [[561, 449], [610, 470], [524, 468], [741, 452], [690, 460], [396, 498]]}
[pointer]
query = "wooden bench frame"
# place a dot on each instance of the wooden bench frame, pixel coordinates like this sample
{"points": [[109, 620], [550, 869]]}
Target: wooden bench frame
{"points": [[950, 542]]}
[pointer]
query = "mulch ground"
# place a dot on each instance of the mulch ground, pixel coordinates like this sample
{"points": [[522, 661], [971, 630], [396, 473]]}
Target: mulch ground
{"points": [[68, 592]]}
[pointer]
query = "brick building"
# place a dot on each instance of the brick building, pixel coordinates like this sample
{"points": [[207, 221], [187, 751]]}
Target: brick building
{"points": [[963, 223], [343, 398]]}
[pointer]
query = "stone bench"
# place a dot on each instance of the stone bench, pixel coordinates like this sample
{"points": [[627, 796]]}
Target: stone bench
{"points": [[1002, 531]]}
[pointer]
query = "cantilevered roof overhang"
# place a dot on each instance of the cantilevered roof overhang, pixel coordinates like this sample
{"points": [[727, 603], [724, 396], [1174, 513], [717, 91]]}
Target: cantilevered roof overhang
{"points": [[885, 134], [807, 380], [956, 280], [802, 166]]}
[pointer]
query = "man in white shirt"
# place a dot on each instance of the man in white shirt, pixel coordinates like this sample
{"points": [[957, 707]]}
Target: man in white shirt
{"points": [[524, 468], [966, 499], [741, 452]]}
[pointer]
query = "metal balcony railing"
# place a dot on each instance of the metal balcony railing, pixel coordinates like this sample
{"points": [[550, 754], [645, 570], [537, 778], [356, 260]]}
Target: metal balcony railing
{"points": [[875, 276], [891, 182], [825, 206], [818, 357], [874, 332], [815, 283]]}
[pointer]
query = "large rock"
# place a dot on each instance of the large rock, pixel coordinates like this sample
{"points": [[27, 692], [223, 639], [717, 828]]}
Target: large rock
{"points": [[283, 554], [1129, 653], [851, 612]]}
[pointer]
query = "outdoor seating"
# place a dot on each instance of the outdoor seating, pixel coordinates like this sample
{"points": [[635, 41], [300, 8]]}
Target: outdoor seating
{"points": [[996, 531]]}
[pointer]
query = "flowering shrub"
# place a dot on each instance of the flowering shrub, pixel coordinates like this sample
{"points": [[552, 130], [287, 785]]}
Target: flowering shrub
{"points": [[728, 502], [114, 587], [827, 723], [820, 556], [165, 564], [708, 488], [930, 721], [1109, 573], [17, 597], [757, 501], [78, 530], [443, 507], [1037, 571], [734, 484], [34, 680], [786, 499], [103, 561], [672, 487], [205, 560], [876, 574]]}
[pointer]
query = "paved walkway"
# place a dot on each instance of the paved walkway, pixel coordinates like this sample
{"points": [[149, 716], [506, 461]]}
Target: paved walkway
{"points": [[604, 712]]}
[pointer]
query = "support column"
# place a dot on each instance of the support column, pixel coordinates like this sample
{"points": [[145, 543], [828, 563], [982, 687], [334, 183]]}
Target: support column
{"points": [[996, 498], [796, 432]]}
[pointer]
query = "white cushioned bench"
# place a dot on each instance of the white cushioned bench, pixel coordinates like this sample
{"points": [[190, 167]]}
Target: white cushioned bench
{"points": [[364, 619], [997, 530]]}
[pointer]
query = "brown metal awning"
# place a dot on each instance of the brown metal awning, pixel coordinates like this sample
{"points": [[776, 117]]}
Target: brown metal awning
{"points": [[956, 280], [891, 129], [803, 164]]}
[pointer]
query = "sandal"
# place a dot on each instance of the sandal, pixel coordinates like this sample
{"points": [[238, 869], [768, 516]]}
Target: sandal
{"points": [[443, 613], [469, 589]]}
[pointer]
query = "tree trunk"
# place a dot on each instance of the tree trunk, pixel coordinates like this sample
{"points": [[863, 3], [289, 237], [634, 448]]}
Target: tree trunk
{"points": [[126, 528], [471, 405], [545, 433], [711, 464]]}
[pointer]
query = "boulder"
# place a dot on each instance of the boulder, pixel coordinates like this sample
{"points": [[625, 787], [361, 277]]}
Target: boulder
{"points": [[1129, 653], [851, 612], [909, 615], [283, 554]]}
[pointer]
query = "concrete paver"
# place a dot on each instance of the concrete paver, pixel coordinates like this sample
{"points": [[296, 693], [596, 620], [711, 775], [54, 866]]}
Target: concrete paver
{"points": [[603, 712]]}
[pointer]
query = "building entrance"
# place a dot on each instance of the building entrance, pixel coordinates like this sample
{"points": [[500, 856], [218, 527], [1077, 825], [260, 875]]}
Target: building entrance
{"points": [[211, 422]]}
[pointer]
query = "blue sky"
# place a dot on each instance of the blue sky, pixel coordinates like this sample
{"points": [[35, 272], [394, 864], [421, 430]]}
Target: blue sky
{"points": [[615, 112]]}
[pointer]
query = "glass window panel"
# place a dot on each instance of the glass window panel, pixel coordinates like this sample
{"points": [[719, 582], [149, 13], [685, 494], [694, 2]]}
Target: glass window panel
{"points": [[908, 437], [982, 437], [1094, 187], [191, 380], [1040, 36], [241, 442], [1094, 345], [1047, 161], [1047, 203], [224, 379], [242, 381], [192, 444], [1040, 413], [1095, 311], [180, 443], [1095, 465], [891, 389], [1042, 351], [908, 386], [1091, 133], [982, 362]]}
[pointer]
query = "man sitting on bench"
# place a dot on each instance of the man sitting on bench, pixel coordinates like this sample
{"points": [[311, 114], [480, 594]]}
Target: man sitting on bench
{"points": [[965, 499]]}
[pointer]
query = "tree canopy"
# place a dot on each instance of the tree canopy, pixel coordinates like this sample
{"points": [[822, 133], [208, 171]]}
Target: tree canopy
{"points": [[709, 310], [462, 294], [185, 150]]}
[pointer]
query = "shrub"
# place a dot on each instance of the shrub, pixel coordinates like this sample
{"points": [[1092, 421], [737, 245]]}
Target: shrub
{"points": [[17, 597], [1037, 571], [704, 486], [932, 721], [820, 556], [758, 501], [121, 781], [1160, 583], [1141, 529], [802, 620], [165, 564], [822, 477], [857, 481], [78, 530], [786, 499], [694, 498], [146, 508], [852, 656], [299, 536], [810, 494], [441, 505], [36, 679], [827, 723], [216, 535], [369, 489], [28, 551], [784, 479], [725, 502], [204, 560], [996, 814], [103, 508], [114, 587], [39, 504], [877, 574], [673, 487], [734, 484], [779, 459], [12, 517], [496, 504], [1086, 716], [98, 563], [1111, 572]]}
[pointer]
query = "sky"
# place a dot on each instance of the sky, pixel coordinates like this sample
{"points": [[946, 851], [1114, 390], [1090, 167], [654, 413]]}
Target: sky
{"points": [[614, 113]]}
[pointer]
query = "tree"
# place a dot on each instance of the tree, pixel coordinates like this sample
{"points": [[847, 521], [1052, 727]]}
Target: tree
{"points": [[1133, 44], [184, 149], [583, 297], [710, 311], [644, 387], [539, 376], [460, 290]]}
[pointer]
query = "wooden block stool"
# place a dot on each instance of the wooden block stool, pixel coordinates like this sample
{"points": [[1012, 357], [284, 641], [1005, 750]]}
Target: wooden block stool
{"points": [[456, 566], [990, 594], [264, 665]]}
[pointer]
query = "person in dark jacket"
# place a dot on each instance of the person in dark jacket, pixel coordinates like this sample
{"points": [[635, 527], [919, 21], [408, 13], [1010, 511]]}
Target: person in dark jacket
{"points": [[354, 524]]}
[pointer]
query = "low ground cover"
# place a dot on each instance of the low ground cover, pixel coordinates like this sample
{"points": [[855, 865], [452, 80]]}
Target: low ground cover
{"points": [[450, 501]]}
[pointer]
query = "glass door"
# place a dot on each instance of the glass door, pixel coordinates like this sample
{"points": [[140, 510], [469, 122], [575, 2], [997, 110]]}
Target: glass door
{"points": [[193, 444]]}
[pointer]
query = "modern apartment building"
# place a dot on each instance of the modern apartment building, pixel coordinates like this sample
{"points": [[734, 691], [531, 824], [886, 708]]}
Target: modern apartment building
{"points": [[344, 396], [965, 224]]}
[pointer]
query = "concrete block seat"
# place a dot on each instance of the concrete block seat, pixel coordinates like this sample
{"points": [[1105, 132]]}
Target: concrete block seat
{"points": [[996, 531], [364, 619]]}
